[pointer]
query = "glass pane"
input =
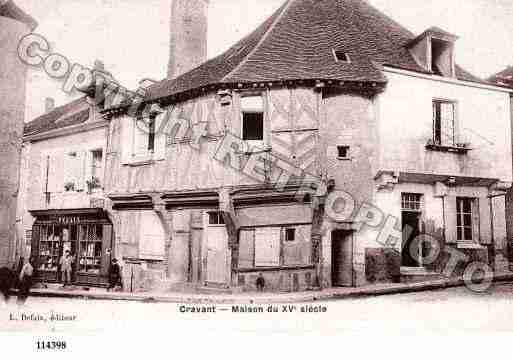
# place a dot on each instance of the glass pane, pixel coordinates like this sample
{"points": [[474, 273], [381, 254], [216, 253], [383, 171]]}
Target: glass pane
{"points": [[468, 233], [467, 220], [467, 206], [253, 126]]}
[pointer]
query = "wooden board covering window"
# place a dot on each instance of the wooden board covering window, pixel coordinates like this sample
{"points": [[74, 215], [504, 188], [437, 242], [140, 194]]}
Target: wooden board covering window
{"points": [[267, 247]]}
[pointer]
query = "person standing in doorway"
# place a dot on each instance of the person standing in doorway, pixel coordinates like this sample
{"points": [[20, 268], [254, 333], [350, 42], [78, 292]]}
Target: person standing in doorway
{"points": [[25, 277], [66, 267]]}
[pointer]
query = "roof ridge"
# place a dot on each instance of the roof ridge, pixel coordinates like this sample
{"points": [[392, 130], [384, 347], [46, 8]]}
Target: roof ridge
{"points": [[261, 41]]}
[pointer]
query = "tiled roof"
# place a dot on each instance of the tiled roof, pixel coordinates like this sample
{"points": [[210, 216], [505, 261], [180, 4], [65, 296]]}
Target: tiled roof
{"points": [[9, 9], [63, 116], [297, 43], [503, 78]]}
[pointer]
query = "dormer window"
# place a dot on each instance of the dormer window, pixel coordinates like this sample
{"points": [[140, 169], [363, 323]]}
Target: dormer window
{"points": [[433, 50], [442, 59], [341, 56]]}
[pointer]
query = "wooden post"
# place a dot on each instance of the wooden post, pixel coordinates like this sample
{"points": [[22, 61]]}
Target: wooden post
{"points": [[228, 212]]}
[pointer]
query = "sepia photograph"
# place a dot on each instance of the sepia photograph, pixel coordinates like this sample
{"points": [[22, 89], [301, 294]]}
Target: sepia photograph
{"points": [[295, 167]]}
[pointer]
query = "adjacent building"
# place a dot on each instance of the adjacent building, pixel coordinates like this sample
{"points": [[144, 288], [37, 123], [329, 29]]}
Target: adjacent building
{"points": [[505, 78], [61, 201], [14, 25]]}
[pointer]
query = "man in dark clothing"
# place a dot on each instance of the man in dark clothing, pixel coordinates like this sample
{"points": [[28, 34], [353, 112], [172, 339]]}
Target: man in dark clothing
{"points": [[260, 282], [114, 275], [25, 277], [7, 282]]}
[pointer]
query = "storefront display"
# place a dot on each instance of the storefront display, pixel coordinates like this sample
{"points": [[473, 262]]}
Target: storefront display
{"points": [[86, 234]]}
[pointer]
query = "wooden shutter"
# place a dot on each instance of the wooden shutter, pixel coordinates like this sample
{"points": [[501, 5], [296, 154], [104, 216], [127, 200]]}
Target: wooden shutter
{"points": [[267, 247], [151, 237], [45, 168], [56, 173], [450, 219], [485, 224], [475, 221], [126, 138], [83, 169], [246, 249], [106, 248], [34, 245], [160, 135]]}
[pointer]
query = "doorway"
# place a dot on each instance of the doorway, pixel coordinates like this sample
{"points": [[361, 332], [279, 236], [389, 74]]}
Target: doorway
{"points": [[216, 250], [410, 229], [342, 259]]}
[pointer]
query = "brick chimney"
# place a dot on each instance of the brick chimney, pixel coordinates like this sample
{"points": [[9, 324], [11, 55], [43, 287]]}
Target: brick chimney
{"points": [[49, 104], [188, 43]]}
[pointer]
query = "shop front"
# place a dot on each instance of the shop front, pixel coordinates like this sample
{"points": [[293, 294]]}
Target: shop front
{"points": [[86, 233]]}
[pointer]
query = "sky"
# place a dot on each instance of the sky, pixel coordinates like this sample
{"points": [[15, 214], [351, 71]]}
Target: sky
{"points": [[132, 36]]}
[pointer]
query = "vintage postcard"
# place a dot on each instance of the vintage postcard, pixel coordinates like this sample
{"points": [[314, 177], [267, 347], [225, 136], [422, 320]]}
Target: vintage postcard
{"points": [[259, 166]]}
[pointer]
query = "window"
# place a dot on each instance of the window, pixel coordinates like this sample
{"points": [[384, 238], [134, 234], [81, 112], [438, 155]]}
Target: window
{"points": [[341, 56], [466, 221], [144, 141], [90, 252], [274, 247], [444, 113], [252, 108], [290, 234], [215, 218], [411, 202], [442, 53], [96, 168], [343, 152]]}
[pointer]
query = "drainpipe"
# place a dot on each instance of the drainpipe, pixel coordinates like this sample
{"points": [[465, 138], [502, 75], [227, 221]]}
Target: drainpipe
{"points": [[491, 249]]}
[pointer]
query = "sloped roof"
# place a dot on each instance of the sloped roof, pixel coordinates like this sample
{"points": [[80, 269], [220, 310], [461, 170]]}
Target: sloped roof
{"points": [[503, 78], [9, 9], [297, 43], [67, 115]]}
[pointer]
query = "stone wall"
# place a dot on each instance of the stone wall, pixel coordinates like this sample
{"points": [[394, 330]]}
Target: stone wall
{"points": [[12, 115], [284, 280]]}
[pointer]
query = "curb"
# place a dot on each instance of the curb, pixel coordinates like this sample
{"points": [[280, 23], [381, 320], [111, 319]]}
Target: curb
{"points": [[179, 298]]}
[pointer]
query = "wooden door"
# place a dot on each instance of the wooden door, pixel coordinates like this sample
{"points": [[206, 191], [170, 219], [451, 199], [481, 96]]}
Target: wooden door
{"points": [[217, 254], [342, 259]]}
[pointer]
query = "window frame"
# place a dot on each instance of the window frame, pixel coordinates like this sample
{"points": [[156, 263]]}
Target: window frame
{"points": [[150, 137], [219, 219], [97, 171], [419, 202], [243, 111], [461, 236], [440, 142]]}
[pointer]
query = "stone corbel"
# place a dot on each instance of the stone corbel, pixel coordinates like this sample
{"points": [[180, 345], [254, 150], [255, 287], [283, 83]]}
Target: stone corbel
{"points": [[441, 189], [386, 180], [230, 219], [499, 188], [159, 206]]}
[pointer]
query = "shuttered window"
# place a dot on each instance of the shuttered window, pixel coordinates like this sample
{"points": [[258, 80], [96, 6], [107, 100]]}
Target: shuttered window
{"points": [[275, 247], [267, 247], [151, 237]]}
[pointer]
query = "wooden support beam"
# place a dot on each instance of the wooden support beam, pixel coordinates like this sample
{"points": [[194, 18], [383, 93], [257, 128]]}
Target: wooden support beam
{"points": [[232, 227]]}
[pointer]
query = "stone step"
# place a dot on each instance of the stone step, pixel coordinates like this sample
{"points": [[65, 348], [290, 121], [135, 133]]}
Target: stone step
{"points": [[420, 274]]}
